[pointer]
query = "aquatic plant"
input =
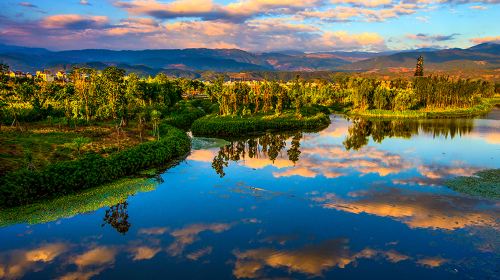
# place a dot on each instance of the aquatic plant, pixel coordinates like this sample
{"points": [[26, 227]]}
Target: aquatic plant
{"points": [[485, 183], [82, 202]]}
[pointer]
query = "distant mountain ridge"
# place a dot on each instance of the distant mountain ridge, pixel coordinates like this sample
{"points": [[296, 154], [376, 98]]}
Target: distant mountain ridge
{"points": [[483, 56], [185, 61]]}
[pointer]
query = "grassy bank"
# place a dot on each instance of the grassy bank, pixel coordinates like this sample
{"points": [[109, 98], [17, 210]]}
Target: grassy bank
{"points": [[70, 205], [484, 183], [233, 126], [478, 110], [26, 186], [42, 143]]}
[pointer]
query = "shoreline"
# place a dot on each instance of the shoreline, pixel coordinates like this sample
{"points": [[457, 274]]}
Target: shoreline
{"points": [[476, 111]]}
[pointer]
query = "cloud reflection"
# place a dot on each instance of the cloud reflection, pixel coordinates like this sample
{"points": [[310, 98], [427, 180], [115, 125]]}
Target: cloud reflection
{"points": [[189, 234], [144, 252], [432, 261], [312, 260], [416, 209], [17, 263]]}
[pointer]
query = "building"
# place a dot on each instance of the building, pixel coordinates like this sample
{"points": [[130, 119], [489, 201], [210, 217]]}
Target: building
{"points": [[45, 75], [61, 75]]}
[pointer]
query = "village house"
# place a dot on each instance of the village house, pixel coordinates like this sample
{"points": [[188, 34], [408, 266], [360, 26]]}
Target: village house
{"points": [[45, 75], [61, 76]]}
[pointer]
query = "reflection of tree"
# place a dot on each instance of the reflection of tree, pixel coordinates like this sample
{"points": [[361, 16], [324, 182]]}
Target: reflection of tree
{"points": [[358, 133], [362, 129], [117, 217], [266, 146], [294, 152], [220, 161]]}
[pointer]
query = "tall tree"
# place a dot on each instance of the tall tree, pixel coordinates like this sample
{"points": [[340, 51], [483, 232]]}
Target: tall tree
{"points": [[419, 70]]}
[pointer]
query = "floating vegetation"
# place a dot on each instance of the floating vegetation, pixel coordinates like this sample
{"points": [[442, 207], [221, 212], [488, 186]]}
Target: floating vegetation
{"points": [[68, 206], [485, 183]]}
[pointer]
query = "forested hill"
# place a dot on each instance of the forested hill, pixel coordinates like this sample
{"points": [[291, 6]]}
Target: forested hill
{"points": [[483, 56], [183, 62]]}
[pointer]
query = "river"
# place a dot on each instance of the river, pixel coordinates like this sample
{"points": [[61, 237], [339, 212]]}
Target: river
{"points": [[360, 199]]}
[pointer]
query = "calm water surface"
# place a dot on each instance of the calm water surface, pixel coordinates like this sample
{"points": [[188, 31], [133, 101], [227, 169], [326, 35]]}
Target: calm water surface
{"points": [[358, 200]]}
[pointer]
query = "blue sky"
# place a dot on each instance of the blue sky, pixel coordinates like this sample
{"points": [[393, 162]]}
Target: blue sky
{"points": [[253, 25]]}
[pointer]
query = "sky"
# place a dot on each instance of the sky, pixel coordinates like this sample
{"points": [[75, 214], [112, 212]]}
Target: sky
{"points": [[251, 25]]}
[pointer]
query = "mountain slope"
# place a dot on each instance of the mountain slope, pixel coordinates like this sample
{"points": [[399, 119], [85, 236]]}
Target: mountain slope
{"points": [[188, 61], [485, 56]]}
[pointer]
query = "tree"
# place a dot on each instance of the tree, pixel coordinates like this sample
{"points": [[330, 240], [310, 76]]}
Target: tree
{"points": [[155, 118], [419, 70], [114, 88], [84, 80]]}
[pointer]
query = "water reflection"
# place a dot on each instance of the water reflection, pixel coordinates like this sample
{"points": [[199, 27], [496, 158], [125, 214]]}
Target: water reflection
{"points": [[72, 205], [314, 260], [117, 217], [290, 206], [268, 146], [311, 259], [189, 234], [15, 264], [361, 129], [323, 158], [416, 209]]}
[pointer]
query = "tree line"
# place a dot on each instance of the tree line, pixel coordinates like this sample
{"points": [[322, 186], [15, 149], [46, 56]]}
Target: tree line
{"points": [[437, 92], [90, 95], [111, 94]]}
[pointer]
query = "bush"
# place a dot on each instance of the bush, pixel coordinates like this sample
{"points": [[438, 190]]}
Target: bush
{"points": [[185, 113], [26, 186]]}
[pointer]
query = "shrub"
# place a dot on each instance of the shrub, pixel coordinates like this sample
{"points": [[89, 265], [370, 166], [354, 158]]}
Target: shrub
{"points": [[231, 126], [185, 113]]}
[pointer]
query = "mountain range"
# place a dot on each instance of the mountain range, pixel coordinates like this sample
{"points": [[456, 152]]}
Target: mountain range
{"points": [[181, 62]]}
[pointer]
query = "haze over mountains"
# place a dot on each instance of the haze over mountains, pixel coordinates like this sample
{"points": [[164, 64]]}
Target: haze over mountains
{"points": [[483, 56]]}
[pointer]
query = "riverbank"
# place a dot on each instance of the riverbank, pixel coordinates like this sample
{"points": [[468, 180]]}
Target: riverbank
{"points": [[26, 186], [233, 126], [481, 109]]}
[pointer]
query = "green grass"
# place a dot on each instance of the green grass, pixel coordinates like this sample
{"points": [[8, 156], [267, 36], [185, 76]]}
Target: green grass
{"points": [[233, 126], [484, 183], [50, 144], [67, 206], [478, 110], [45, 147]]}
